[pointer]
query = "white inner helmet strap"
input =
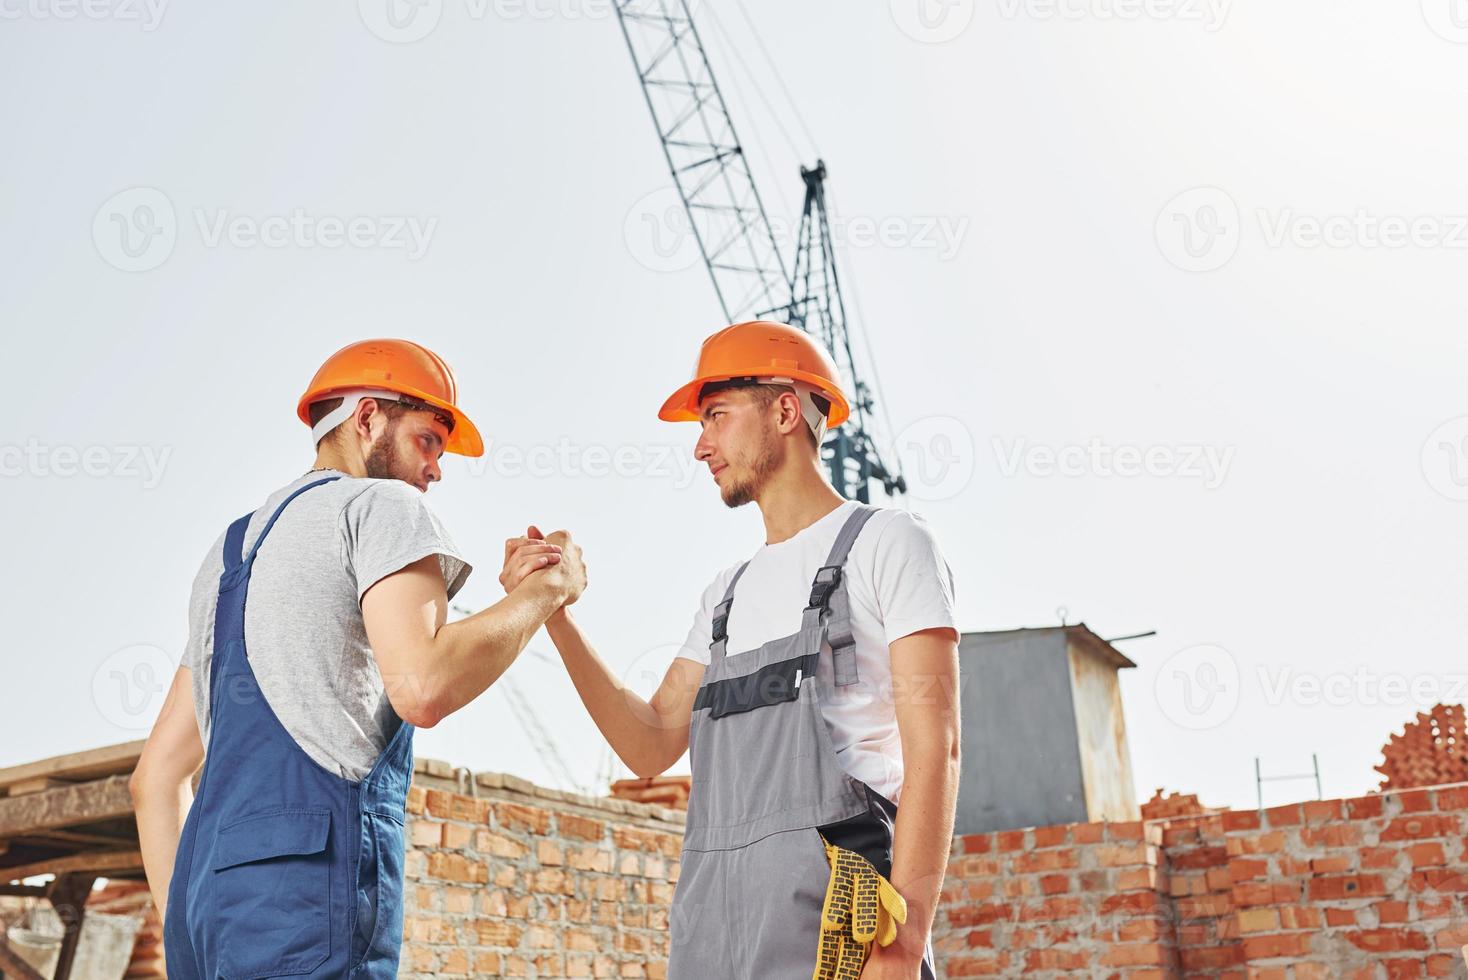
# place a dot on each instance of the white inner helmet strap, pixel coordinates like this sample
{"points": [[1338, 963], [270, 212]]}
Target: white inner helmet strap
{"points": [[814, 417], [350, 400]]}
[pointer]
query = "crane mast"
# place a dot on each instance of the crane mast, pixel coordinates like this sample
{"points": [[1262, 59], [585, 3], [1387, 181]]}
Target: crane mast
{"points": [[709, 168], [732, 229]]}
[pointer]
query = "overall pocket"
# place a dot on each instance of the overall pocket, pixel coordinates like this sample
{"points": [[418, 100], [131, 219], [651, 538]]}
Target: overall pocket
{"points": [[380, 890], [270, 904]]}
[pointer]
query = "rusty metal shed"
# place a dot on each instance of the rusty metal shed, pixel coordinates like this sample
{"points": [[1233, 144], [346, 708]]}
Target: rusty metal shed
{"points": [[1044, 736]]}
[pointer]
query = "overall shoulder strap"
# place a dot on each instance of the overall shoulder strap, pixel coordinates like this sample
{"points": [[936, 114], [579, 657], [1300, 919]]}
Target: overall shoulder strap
{"points": [[234, 542], [265, 531], [829, 604], [721, 619]]}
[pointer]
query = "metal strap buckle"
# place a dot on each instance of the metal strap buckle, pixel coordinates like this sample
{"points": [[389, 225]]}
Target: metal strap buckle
{"points": [[721, 619], [825, 583]]}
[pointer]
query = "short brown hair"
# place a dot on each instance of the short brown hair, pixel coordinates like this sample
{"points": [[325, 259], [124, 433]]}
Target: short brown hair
{"points": [[318, 410], [765, 395]]}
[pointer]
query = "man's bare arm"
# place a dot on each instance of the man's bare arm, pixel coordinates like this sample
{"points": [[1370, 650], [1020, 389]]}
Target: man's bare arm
{"points": [[162, 784], [648, 736], [432, 668], [925, 696]]}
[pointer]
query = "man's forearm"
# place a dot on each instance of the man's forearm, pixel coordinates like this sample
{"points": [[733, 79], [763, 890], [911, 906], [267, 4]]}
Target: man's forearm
{"points": [[469, 655], [642, 739], [921, 843], [160, 810]]}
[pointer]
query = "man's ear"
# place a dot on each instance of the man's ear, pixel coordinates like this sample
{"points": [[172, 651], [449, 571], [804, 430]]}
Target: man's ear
{"points": [[362, 417], [369, 409], [791, 417]]}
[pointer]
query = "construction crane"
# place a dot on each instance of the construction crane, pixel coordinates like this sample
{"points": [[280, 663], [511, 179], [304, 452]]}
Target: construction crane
{"points": [[733, 230]]}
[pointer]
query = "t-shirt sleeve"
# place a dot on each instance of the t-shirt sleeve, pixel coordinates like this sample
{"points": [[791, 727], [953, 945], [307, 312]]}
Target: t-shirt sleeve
{"points": [[201, 607], [701, 634], [388, 527], [914, 584]]}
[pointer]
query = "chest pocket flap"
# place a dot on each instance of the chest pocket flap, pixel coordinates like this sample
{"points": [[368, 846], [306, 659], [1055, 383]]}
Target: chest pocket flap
{"points": [[272, 834]]}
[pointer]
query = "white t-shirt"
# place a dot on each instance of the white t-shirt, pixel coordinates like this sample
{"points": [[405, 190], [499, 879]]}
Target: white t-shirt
{"points": [[898, 583]]}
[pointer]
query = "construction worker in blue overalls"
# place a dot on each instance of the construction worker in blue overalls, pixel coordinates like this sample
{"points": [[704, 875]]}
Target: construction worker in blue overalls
{"points": [[812, 699], [310, 663]]}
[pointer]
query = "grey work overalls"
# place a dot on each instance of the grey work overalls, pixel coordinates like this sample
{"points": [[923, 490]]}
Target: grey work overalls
{"points": [[766, 786]]}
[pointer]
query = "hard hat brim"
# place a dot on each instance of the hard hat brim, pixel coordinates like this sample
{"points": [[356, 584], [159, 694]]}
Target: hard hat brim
{"points": [[682, 405], [464, 438]]}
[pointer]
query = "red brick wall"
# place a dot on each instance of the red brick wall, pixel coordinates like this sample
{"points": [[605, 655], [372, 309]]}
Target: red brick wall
{"points": [[1201, 892], [1066, 901], [521, 881], [1369, 887], [1374, 887], [509, 879]]}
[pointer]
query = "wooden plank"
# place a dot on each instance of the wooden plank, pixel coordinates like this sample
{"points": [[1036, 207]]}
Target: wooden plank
{"points": [[100, 863], [109, 760], [54, 837], [81, 803], [34, 785]]}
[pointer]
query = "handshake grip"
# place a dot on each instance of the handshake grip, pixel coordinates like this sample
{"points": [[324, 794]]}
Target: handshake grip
{"points": [[555, 556]]}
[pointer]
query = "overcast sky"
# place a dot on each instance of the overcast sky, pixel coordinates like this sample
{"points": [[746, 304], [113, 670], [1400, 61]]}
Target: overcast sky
{"points": [[1166, 295]]}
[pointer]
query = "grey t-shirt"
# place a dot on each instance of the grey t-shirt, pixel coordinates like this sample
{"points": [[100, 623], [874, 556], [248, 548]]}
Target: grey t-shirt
{"points": [[303, 620]]}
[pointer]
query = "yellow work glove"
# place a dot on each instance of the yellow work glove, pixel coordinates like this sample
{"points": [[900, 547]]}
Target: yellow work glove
{"points": [[861, 906]]}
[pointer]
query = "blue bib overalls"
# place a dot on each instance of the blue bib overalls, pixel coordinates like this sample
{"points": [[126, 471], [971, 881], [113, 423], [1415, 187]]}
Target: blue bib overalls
{"points": [[283, 868]]}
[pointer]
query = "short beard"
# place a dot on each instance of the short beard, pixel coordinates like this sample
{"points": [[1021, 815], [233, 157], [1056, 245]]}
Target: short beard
{"points": [[765, 463], [382, 458]]}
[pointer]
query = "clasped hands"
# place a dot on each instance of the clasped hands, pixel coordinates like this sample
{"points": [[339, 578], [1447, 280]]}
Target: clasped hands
{"points": [[551, 561]]}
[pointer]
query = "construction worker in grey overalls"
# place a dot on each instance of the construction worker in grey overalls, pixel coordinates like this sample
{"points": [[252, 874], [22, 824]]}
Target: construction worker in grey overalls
{"points": [[290, 859], [796, 862]]}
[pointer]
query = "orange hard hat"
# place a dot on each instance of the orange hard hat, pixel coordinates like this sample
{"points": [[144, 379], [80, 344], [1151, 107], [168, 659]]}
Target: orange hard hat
{"points": [[764, 351], [389, 367]]}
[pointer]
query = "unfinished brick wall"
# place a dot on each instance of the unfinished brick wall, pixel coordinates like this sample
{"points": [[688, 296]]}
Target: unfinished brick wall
{"points": [[1374, 887], [504, 878], [1073, 900], [1201, 890]]}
